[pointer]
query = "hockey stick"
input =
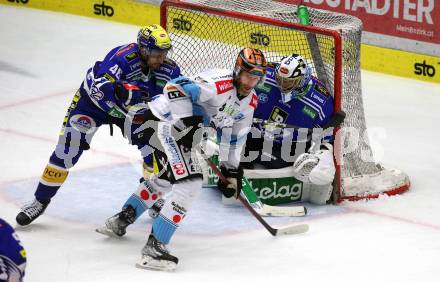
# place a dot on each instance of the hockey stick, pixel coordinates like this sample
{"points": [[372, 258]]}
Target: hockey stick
{"points": [[294, 229]]}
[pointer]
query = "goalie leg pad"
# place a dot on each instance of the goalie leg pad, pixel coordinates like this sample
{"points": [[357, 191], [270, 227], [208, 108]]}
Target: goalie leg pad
{"points": [[320, 194]]}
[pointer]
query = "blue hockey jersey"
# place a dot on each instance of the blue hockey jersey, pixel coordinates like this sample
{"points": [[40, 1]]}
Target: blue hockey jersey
{"points": [[123, 63], [12, 254], [311, 107]]}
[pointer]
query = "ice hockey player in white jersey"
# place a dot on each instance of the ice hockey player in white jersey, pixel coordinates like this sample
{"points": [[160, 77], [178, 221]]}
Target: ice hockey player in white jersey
{"points": [[224, 100]]}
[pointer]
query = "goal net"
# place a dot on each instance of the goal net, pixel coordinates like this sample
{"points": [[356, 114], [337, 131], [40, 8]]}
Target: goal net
{"points": [[210, 33]]}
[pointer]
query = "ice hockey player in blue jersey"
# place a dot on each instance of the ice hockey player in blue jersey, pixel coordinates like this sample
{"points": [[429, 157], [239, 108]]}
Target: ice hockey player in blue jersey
{"points": [[291, 95], [129, 75], [12, 255]]}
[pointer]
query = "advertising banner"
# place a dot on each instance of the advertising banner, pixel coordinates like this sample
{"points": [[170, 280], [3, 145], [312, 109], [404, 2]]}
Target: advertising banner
{"points": [[129, 11], [412, 19]]}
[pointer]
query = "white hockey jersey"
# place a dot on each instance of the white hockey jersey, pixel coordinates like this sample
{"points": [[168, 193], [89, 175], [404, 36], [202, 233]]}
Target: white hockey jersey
{"points": [[211, 94]]}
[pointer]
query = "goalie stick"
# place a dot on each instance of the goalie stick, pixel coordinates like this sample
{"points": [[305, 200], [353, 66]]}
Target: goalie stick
{"points": [[293, 229]]}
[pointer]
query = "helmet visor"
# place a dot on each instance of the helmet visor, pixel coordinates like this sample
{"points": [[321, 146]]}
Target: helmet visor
{"points": [[288, 84], [155, 52], [252, 69]]}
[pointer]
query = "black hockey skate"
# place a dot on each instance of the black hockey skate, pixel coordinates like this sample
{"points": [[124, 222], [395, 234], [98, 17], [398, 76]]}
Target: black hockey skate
{"points": [[154, 211], [156, 256], [116, 226], [31, 211]]}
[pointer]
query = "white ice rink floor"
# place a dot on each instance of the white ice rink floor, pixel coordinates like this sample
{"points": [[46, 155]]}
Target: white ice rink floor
{"points": [[43, 59]]}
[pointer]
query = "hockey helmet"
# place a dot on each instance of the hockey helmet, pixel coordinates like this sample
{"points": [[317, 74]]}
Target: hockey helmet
{"points": [[252, 61], [153, 38], [292, 73]]}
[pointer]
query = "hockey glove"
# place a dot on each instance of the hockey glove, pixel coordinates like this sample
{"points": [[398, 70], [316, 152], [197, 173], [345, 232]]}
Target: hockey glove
{"points": [[234, 177], [157, 110], [317, 168], [129, 94], [189, 131]]}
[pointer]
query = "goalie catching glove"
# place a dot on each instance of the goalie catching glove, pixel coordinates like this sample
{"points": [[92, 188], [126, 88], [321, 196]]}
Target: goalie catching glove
{"points": [[317, 168], [234, 177]]}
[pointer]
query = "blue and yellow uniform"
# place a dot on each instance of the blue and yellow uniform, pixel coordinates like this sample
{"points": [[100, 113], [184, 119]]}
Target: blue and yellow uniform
{"points": [[309, 106], [115, 91], [95, 103], [12, 254]]}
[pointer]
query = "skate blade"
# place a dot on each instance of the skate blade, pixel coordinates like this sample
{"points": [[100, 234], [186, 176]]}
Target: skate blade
{"points": [[153, 264], [108, 232]]}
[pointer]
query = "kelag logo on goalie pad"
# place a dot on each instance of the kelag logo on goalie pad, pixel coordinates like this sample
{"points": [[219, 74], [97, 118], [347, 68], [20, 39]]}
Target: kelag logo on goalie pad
{"points": [[274, 191]]}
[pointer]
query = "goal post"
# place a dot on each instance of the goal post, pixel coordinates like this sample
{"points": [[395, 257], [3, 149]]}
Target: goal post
{"points": [[210, 33]]}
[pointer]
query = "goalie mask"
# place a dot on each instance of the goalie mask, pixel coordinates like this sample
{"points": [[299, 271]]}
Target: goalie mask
{"points": [[154, 44], [292, 73]]}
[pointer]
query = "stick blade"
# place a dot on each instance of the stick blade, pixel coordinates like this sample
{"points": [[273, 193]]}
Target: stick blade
{"points": [[295, 229], [267, 210]]}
